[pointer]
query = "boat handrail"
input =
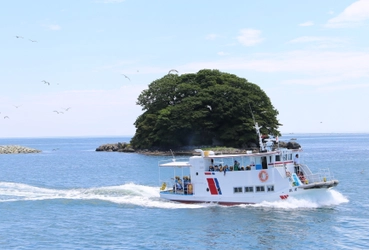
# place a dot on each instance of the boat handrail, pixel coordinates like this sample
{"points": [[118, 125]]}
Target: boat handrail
{"points": [[322, 175]]}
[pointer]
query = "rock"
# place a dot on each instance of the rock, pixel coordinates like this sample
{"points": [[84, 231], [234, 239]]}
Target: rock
{"points": [[116, 147], [15, 149], [293, 145]]}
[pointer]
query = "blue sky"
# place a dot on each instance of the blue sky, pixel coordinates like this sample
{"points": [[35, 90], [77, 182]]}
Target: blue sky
{"points": [[310, 57]]}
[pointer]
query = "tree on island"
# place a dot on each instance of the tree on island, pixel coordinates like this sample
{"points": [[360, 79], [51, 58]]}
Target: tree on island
{"points": [[206, 108]]}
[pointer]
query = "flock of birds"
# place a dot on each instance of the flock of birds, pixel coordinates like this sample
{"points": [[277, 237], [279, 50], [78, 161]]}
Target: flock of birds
{"points": [[48, 83], [21, 37]]}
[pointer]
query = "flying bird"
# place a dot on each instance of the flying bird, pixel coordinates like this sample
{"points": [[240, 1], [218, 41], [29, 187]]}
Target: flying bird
{"points": [[209, 107], [45, 82], [6, 117], [173, 70], [17, 106], [126, 77], [66, 109], [19, 36], [34, 41], [58, 112]]}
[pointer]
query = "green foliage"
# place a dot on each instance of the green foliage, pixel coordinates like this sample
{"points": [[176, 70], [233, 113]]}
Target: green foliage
{"points": [[207, 108]]}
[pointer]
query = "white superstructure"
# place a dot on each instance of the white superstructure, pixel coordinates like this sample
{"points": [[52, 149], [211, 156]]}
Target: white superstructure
{"points": [[269, 175]]}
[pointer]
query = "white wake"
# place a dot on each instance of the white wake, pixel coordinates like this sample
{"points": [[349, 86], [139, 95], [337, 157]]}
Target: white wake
{"points": [[146, 196]]}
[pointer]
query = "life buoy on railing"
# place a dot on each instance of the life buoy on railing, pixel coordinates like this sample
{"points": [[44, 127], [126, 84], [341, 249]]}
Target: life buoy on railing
{"points": [[163, 186], [288, 174], [263, 176]]}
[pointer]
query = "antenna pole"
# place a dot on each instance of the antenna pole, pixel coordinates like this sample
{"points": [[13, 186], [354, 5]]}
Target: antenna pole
{"points": [[257, 128], [174, 159]]}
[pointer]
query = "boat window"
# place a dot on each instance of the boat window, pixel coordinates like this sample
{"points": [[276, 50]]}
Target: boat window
{"points": [[277, 158], [260, 189], [284, 157], [249, 189], [270, 188], [237, 189], [264, 163]]}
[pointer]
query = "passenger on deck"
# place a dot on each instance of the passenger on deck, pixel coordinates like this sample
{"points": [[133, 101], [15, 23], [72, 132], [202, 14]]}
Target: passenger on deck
{"points": [[236, 165], [296, 162], [178, 184], [185, 184], [301, 177]]}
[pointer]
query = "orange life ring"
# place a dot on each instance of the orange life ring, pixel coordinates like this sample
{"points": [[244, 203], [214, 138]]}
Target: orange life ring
{"points": [[263, 175]]}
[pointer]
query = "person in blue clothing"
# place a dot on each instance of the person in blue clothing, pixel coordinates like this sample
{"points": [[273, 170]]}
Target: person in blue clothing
{"points": [[178, 184]]}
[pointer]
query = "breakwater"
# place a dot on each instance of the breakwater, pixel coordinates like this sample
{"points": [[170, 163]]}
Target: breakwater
{"points": [[16, 149]]}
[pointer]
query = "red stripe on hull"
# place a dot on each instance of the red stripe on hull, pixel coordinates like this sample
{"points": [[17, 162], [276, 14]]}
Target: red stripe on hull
{"points": [[215, 202], [212, 187]]}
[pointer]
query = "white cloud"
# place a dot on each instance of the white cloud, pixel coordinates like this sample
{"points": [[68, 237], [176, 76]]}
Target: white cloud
{"points": [[324, 67], [320, 42], [221, 53], [353, 15], [212, 36], [53, 26], [249, 37], [308, 23], [343, 87]]}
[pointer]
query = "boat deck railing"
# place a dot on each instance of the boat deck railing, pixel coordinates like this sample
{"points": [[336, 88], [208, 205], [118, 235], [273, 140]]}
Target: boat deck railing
{"points": [[322, 176]]}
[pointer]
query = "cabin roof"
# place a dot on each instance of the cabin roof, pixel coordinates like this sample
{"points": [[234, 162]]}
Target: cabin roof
{"points": [[243, 155], [175, 164]]}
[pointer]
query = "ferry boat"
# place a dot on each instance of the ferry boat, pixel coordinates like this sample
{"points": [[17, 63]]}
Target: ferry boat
{"points": [[271, 174]]}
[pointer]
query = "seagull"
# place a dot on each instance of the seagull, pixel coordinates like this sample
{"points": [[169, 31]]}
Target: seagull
{"points": [[45, 82], [6, 117], [66, 109], [34, 41], [19, 37], [58, 112], [209, 107], [126, 77], [17, 106], [173, 70]]}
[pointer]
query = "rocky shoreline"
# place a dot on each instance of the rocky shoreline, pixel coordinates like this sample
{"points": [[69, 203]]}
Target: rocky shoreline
{"points": [[188, 151], [16, 149], [126, 148]]}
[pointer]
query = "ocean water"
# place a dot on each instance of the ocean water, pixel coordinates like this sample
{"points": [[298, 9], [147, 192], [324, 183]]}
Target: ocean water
{"points": [[71, 197]]}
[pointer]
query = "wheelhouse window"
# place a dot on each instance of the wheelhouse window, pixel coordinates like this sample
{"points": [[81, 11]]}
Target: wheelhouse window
{"points": [[270, 188], [237, 189], [284, 157], [249, 189], [260, 188]]}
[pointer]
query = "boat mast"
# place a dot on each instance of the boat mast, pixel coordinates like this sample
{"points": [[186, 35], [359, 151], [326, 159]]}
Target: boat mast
{"points": [[257, 128]]}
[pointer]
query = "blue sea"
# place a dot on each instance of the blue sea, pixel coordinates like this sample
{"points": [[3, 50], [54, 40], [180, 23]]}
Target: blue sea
{"points": [[71, 197]]}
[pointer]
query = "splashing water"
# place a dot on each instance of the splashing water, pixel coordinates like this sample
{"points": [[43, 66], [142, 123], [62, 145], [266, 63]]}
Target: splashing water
{"points": [[146, 196]]}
